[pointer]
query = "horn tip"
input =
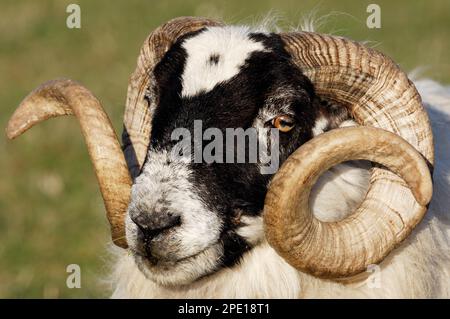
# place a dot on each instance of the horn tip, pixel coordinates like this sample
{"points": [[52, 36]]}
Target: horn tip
{"points": [[12, 130], [19, 122], [120, 242], [424, 195]]}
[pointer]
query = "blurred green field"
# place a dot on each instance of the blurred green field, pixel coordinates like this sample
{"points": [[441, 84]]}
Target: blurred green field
{"points": [[51, 212]]}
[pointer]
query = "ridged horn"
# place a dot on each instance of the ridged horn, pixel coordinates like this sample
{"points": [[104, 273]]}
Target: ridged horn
{"points": [[377, 94], [66, 97]]}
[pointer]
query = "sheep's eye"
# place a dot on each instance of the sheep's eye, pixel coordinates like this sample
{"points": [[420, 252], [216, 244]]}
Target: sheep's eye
{"points": [[284, 123]]}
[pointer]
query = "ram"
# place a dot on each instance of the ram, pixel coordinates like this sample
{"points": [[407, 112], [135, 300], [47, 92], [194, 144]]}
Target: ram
{"points": [[353, 193]]}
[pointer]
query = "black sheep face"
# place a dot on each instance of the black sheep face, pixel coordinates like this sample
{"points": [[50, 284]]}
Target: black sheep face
{"points": [[188, 219]]}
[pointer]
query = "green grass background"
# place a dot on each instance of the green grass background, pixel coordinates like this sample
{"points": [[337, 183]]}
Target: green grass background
{"points": [[51, 212]]}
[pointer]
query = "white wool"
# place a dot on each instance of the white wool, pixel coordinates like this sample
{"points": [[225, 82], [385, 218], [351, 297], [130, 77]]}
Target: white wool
{"points": [[418, 268]]}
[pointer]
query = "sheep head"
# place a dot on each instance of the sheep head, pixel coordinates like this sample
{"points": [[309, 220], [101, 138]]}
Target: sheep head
{"points": [[394, 132]]}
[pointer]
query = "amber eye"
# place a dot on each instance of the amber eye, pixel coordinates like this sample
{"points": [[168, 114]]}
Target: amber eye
{"points": [[284, 123]]}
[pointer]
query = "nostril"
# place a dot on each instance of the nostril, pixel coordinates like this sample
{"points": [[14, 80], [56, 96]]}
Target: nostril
{"points": [[165, 223], [152, 225]]}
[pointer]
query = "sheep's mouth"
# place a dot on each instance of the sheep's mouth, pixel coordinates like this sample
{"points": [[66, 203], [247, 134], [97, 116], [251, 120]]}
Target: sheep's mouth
{"points": [[181, 271], [152, 262], [167, 262]]}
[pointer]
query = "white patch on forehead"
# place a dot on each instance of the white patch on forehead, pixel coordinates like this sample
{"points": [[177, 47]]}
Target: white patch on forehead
{"points": [[215, 56]]}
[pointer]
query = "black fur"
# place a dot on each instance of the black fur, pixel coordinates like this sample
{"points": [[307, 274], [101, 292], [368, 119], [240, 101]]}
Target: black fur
{"points": [[214, 59]]}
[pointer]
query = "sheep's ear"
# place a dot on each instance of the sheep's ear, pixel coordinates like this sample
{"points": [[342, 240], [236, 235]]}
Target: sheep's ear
{"points": [[330, 116]]}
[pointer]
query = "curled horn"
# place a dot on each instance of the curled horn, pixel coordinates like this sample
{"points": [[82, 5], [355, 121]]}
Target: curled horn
{"points": [[379, 95], [66, 97]]}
